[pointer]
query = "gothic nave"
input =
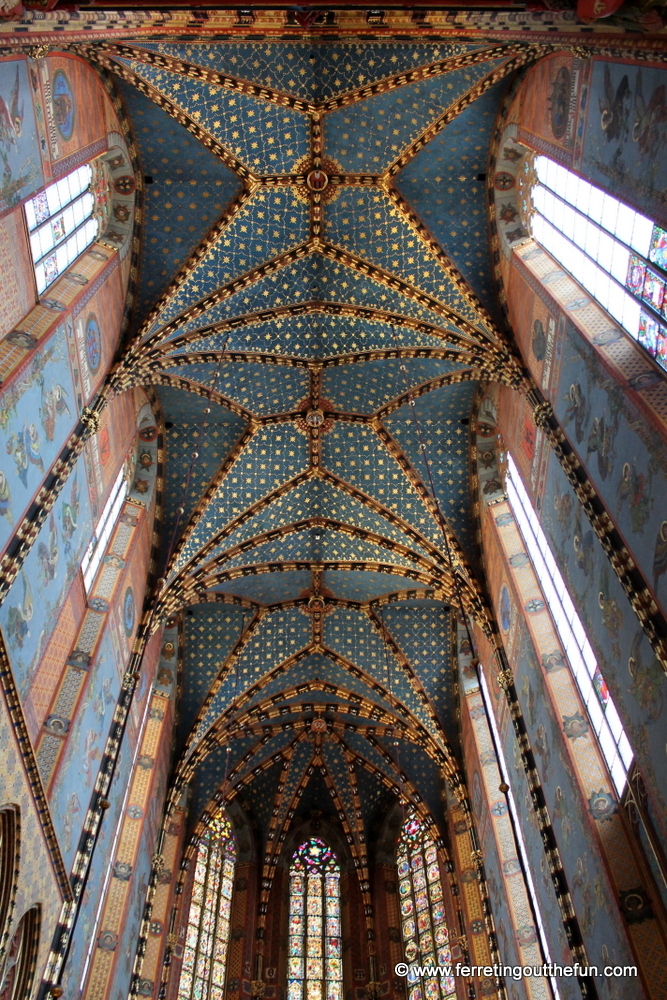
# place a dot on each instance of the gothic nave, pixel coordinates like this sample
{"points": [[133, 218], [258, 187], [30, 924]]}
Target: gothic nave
{"points": [[333, 532]]}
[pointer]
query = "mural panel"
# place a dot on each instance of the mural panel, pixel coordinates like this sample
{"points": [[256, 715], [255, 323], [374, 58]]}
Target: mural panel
{"points": [[37, 595], [75, 781], [18, 290], [85, 927], [37, 414], [595, 906], [625, 135], [22, 172], [74, 104], [625, 457]]}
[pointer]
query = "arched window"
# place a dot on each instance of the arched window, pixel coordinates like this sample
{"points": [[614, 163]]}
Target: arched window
{"points": [[617, 254], [423, 925], [18, 967], [315, 969], [207, 938], [9, 855], [61, 224]]}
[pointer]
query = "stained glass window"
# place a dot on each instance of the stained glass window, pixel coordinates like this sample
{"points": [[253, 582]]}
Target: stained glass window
{"points": [[60, 224], [207, 936], [425, 934], [315, 965], [617, 254]]}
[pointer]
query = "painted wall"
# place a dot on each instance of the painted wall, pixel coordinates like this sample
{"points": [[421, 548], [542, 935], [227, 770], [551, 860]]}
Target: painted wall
{"points": [[604, 120], [37, 877], [566, 757]]}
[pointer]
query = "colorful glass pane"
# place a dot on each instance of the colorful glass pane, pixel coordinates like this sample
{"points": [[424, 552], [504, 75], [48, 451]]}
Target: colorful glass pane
{"points": [[314, 925], [314, 941], [601, 686], [661, 352], [294, 989], [208, 918], [441, 935], [420, 890], [658, 252]]}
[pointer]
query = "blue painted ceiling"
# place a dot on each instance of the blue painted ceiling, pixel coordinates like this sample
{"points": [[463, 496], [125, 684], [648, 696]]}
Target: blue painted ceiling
{"points": [[315, 351]]}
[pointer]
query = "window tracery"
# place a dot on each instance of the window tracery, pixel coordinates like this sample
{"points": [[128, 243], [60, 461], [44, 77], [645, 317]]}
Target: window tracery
{"points": [[207, 936], [315, 970], [423, 923], [617, 254]]}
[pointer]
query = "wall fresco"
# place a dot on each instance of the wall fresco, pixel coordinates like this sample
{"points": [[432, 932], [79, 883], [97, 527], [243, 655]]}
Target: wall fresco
{"points": [[74, 103], [37, 413], [625, 135], [591, 893], [22, 172], [78, 767], [548, 105], [625, 457], [18, 291], [36, 597], [85, 925]]}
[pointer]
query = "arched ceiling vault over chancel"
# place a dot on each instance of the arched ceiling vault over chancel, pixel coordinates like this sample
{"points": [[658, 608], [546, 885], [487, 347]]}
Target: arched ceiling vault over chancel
{"points": [[316, 312]]}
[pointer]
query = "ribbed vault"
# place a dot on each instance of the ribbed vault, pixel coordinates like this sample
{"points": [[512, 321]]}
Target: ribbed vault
{"points": [[316, 356]]}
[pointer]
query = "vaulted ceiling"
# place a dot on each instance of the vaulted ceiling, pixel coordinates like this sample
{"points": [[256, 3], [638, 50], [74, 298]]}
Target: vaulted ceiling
{"points": [[316, 306]]}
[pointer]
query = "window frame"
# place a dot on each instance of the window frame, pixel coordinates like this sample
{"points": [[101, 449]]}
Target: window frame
{"points": [[419, 848], [216, 854], [600, 242], [106, 522], [329, 945], [605, 722], [75, 238]]}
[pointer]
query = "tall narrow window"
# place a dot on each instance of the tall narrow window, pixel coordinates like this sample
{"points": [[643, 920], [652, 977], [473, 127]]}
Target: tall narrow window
{"points": [[92, 557], [315, 970], [207, 938], [617, 254], [425, 934], [602, 713], [60, 224]]}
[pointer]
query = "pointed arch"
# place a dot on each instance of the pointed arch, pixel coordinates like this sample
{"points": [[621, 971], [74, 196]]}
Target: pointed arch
{"points": [[423, 922], [207, 936], [315, 964]]}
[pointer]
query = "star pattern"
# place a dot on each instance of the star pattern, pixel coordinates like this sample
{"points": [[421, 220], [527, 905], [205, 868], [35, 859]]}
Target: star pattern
{"points": [[304, 343]]}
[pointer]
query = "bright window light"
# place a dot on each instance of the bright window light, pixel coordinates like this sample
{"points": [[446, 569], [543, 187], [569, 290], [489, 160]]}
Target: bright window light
{"points": [[60, 224], [518, 832], [602, 714], [98, 543], [617, 254]]}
